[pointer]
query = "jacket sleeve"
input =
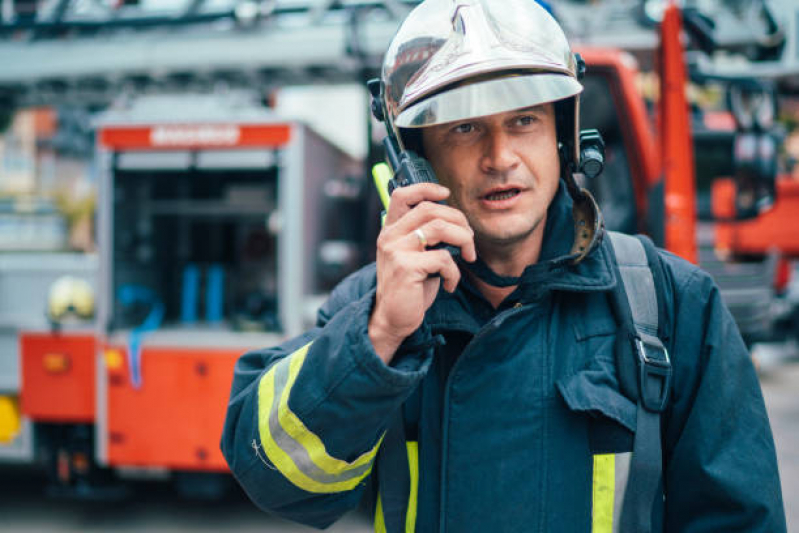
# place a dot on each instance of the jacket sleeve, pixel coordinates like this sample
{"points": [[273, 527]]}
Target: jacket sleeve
{"points": [[720, 463], [306, 418]]}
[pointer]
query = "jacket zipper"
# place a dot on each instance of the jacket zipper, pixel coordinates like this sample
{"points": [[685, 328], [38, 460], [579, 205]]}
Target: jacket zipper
{"points": [[445, 414]]}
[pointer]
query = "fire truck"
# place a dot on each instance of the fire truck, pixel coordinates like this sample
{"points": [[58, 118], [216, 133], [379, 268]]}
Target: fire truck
{"points": [[219, 226], [770, 236], [652, 183]]}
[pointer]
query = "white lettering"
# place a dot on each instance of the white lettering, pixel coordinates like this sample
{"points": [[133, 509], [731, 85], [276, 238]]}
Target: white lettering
{"points": [[205, 135]]}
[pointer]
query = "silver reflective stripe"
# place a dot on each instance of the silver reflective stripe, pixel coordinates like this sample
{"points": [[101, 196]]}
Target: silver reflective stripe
{"points": [[294, 449], [621, 475]]}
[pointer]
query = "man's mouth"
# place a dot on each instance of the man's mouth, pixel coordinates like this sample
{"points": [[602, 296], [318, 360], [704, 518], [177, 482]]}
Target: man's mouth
{"points": [[497, 196]]}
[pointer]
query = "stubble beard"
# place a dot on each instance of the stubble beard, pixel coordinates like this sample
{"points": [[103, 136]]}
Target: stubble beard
{"points": [[503, 245]]}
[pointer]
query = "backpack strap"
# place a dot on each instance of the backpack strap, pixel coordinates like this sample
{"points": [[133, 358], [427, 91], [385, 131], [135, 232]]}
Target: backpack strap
{"points": [[644, 370]]}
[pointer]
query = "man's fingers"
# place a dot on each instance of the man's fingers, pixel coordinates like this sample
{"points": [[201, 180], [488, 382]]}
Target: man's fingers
{"points": [[404, 199], [425, 212], [440, 231], [439, 262]]}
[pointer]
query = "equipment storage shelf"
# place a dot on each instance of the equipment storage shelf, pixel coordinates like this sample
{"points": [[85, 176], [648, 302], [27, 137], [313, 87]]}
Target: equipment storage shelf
{"points": [[217, 214], [220, 226], [195, 247]]}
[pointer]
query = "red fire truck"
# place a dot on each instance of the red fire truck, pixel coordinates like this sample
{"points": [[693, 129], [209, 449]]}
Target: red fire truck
{"points": [[650, 181], [219, 225]]}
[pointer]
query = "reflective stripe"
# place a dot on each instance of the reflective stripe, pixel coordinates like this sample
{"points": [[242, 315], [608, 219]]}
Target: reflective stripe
{"points": [[621, 476], [602, 495], [610, 481], [413, 500], [413, 496], [298, 453], [380, 521], [289, 433]]}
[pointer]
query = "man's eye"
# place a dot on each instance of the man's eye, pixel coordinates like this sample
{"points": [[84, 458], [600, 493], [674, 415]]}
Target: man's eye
{"points": [[525, 120], [464, 128]]}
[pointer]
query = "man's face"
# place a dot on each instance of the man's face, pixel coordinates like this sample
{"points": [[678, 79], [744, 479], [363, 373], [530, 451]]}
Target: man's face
{"points": [[502, 170]]}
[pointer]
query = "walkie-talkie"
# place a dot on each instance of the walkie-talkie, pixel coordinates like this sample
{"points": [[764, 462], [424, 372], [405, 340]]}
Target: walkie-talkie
{"points": [[406, 166]]}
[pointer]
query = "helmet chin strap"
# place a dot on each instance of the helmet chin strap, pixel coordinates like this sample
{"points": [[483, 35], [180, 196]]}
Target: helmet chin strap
{"points": [[480, 269]]}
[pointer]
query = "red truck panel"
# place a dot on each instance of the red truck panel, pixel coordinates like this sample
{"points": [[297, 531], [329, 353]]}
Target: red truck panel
{"points": [[775, 228], [639, 134], [58, 376], [174, 419], [194, 136]]}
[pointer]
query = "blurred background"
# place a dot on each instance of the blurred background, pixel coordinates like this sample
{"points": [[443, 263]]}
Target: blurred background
{"points": [[185, 180]]}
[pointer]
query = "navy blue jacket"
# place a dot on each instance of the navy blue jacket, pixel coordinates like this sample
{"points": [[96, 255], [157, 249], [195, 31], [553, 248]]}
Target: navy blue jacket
{"points": [[518, 417]]}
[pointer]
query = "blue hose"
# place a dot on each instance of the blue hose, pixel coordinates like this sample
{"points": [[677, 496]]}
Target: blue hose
{"points": [[129, 295]]}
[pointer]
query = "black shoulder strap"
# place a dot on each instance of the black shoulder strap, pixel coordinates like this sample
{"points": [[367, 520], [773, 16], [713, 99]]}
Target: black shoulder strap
{"points": [[644, 370]]}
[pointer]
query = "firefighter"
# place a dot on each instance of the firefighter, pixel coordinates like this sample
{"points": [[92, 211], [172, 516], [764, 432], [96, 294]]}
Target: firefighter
{"points": [[482, 391]]}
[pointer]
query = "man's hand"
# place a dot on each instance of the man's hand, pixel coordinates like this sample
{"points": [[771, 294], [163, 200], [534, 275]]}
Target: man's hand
{"points": [[405, 287]]}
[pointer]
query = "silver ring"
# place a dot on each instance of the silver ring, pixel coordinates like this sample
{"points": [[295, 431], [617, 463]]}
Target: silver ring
{"points": [[422, 239]]}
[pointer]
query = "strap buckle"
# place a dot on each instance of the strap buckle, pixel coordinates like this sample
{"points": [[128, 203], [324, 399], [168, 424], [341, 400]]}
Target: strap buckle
{"points": [[654, 378]]}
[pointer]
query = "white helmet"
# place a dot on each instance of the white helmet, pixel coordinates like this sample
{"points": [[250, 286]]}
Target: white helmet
{"points": [[70, 296], [458, 59]]}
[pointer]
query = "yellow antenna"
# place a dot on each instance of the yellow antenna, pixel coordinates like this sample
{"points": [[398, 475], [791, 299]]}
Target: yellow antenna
{"points": [[381, 173]]}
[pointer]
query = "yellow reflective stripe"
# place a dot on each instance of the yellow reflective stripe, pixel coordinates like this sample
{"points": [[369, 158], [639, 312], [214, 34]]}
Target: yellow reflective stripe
{"points": [[310, 441], [320, 474], [380, 522], [603, 493], [413, 500]]}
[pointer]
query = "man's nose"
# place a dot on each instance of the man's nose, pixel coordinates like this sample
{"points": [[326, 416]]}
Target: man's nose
{"points": [[498, 155]]}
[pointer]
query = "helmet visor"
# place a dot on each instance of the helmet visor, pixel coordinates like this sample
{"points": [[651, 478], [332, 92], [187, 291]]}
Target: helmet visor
{"points": [[479, 99]]}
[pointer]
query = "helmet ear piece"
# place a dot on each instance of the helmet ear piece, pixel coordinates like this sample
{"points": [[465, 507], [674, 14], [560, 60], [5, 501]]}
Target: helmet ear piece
{"points": [[590, 164], [592, 153], [580, 67]]}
